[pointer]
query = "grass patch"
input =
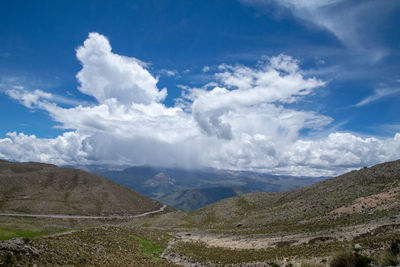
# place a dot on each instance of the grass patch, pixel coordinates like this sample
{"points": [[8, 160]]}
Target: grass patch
{"points": [[150, 248], [9, 233], [30, 227], [100, 246]]}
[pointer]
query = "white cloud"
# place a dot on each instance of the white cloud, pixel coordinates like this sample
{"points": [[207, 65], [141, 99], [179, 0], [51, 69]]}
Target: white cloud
{"points": [[206, 69], [246, 119], [168, 73], [277, 81], [31, 99], [378, 94], [28, 99], [68, 148], [342, 151], [106, 75], [354, 23]]}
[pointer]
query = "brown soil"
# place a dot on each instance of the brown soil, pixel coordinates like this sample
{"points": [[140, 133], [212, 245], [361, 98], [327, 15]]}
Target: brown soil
{"points": [[267, 241], [381, 201]]}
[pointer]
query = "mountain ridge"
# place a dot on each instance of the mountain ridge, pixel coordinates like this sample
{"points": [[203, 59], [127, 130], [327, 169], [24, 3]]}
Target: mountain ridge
{"points": [[174, 186], [45, 188]]}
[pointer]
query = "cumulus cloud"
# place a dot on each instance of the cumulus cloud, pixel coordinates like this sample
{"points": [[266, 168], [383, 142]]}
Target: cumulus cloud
{"points": [[246, 119], [70, 147], [341, 151], [106, 75], [276, 81]]}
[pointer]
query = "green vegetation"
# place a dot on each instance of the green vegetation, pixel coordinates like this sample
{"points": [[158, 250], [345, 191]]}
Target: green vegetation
{"points": [[8, 233], [100, 246], [150, 248], [391, 255], [350, 259], [13, 227], [295, 228], [29, 227]]}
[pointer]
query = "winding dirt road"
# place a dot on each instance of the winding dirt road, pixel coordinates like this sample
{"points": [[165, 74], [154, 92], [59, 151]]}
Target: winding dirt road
{"points": [[61, 216]]}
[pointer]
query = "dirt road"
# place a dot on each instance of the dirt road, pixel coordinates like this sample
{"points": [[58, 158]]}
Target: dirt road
{"points": [[265, 241], [62, 216]]}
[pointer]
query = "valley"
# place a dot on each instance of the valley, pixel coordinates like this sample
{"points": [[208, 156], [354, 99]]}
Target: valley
{"points": [[188, 190], [315, 225]]}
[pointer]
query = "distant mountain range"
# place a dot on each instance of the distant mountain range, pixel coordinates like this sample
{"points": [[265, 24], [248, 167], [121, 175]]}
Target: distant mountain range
{"points": [[191, 189]]}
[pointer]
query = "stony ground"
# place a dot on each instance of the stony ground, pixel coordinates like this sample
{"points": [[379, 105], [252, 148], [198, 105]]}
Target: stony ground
{"points": [[125, 244], [261, 241], [99, 246], [320, 225]]}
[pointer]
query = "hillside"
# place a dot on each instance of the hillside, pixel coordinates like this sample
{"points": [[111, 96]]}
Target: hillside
{"points": [[355, 196], [349, 218], [329, 199], [39, 188], [312, 226]]}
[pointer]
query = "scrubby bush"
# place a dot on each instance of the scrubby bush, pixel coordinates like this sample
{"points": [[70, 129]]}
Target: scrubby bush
{"points": [[9, 259], [391, 256], [395, 247], [350, 259], [388, 259]]}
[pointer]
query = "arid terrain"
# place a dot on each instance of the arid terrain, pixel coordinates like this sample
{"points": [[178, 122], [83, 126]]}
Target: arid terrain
{"points": [[353, 218], [37, 188]]}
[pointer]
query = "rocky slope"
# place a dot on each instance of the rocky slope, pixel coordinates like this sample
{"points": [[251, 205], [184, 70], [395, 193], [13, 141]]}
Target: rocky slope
{"points": [[353, 197], [47, 189]]}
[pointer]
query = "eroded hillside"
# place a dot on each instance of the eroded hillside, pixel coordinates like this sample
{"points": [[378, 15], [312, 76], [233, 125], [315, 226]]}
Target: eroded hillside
{"points": [[47, 189]]}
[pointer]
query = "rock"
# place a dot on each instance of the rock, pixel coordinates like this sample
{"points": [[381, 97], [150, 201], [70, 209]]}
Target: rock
{"points": [[239, 225], [18, 246], [357, 247], [31, 250]]}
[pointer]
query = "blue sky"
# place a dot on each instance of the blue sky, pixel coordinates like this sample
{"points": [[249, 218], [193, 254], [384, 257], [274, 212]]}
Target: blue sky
{"points": [[295, 87]]}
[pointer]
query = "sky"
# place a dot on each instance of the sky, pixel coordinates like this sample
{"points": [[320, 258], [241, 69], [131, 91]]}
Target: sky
{"points": [[294, 87]]}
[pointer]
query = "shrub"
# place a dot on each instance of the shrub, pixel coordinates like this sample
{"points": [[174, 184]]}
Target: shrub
{"points": [[395, 247], [9, 259], [350, 259], [390, 258]]}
